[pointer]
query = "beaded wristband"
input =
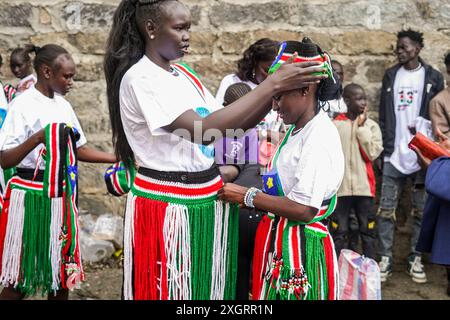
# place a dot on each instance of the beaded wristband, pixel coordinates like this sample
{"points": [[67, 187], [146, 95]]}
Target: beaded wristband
{"points": [[250, 196]]}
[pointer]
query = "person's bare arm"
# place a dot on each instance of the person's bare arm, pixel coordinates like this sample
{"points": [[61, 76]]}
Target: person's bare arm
{"points": [[87, 154], [12, 157], [247, 111], [282, 206]]}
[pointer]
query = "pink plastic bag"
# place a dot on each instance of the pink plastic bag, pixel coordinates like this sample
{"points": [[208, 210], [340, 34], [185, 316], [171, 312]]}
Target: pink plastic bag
{"points": [[359, 277]]}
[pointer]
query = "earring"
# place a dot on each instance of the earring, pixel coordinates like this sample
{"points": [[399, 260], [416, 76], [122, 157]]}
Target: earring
{"points": [[253, 74], [152, 37]]}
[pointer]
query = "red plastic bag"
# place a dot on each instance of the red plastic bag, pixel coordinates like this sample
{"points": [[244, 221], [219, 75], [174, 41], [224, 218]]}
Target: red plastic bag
{"points": [[429, 148]]}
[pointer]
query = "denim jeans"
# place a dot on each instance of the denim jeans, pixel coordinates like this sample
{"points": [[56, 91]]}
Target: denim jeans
{"points": [[393, 183]]}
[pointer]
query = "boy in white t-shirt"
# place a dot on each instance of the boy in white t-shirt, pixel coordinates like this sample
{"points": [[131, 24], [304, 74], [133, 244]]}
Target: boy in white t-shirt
{"points": [[47, 263]]}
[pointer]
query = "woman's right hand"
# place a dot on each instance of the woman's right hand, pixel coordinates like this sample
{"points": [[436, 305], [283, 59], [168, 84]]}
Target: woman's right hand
{"points": [[443, 140], [297, 75]]}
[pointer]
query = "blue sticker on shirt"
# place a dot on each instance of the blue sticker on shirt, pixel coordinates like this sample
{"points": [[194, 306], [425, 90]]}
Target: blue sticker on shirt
{"points": [[208, 151], [2, 116]]}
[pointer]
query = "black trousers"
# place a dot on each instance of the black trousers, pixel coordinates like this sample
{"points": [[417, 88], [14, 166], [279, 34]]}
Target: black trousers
{"points": [[340, 223], [248, 223]]}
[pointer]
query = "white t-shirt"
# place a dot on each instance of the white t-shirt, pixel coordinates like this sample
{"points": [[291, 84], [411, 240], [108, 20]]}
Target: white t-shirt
{"points": [[152, 98], [337, 106], [31, 112], [25, 84], [408, 92], [311, 163]]}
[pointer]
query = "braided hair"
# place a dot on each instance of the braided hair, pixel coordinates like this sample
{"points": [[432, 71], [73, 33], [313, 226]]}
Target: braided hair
{"points": [[329, 88], [125, 47], [262, 50], [234, 92]]}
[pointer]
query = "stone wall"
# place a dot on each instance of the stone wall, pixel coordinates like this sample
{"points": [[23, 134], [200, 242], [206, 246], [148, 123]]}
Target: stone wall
{"points": [[360, 34]]}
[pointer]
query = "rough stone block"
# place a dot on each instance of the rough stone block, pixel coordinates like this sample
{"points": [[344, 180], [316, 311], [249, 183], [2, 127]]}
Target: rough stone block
{"points": [[366, 42], [81, 16], [268, 12], [202, 42], [89, 43], [15, 15], [44, 16]]}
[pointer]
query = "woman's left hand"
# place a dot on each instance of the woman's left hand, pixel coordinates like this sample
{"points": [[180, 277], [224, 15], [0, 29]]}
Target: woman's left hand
{"points": [[233, 193]]}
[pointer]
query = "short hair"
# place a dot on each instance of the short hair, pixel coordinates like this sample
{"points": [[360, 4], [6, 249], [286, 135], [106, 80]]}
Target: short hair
{"points": [[235, 91], [413, 35], [47, 55], [338, 63], [447, 59], [350, 88]]}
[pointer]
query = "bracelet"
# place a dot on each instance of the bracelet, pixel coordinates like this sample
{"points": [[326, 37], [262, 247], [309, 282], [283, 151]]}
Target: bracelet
{"points": [[250, 196]]}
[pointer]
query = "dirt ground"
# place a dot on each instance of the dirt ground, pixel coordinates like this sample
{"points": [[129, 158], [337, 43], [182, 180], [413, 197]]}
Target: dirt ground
{"points": [[104, 281]]}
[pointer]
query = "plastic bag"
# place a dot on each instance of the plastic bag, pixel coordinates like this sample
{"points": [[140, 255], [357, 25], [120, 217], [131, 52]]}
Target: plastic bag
{"points": [[359, 277]]}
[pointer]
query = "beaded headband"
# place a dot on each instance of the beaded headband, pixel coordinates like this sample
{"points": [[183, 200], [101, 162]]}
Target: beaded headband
{"points": [[307, 51]]}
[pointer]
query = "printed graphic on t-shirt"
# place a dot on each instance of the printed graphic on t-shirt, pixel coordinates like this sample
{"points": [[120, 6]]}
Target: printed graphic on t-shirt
{"points": [[208, 151], [2, 116], [406, 95]]}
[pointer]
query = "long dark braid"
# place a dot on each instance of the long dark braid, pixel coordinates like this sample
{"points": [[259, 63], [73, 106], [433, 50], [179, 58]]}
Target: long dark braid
{"points": [[125, 47]]}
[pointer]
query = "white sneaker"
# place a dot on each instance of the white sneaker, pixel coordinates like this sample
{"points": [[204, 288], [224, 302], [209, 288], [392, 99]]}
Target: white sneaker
{"points": [[385, 268], [416, 270]]}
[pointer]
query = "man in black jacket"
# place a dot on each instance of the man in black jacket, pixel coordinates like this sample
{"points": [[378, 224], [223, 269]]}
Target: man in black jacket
{"points": [[406, 92]]}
